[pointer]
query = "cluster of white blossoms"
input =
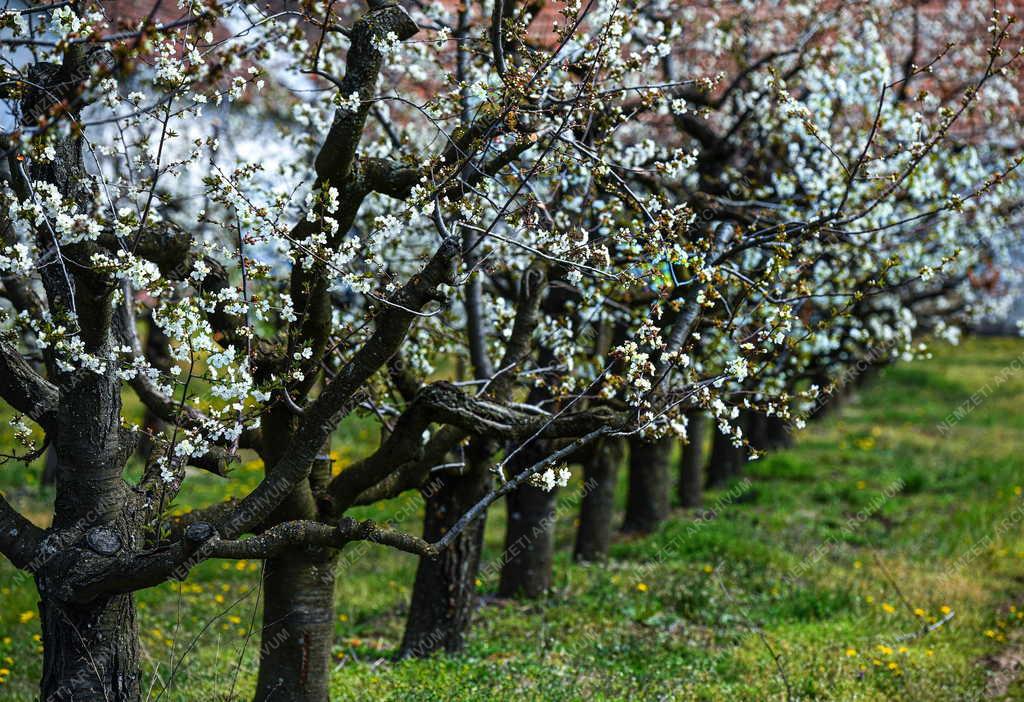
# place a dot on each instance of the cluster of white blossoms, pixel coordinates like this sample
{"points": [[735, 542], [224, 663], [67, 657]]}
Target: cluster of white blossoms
{"points": [[551, 478]]}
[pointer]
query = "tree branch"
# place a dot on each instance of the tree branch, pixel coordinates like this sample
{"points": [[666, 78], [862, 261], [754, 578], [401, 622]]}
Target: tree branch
{"points": [[19, 538], [341, 395], [24, 389]]}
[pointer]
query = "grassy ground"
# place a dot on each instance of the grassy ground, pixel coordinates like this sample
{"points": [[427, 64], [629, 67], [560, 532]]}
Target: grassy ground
{"points": [[819, 572]]}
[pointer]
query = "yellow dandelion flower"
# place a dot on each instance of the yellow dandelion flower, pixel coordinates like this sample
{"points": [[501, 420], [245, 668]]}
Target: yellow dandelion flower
{"points": [[919, 612], [929, 652], [857, 565], [708, 569], [5, 672], [219, 599], [235, 619], [342, 617], [26, 617], [990, 633], [869, 599], [884, 650], [851, 652], [7, 641], [642, 587], [945, 609], [893, 666], [888, 607]]}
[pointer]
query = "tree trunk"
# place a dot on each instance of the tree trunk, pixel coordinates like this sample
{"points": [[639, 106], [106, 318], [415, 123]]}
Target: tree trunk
{"points": [[529, 534], [90, 652], [298, 594], [49, 476], [777, 433], [90, 648], [600, 475], [726, 460], [298, 627], [647, 503], [757, 431], [444, 593], [691, 464]]}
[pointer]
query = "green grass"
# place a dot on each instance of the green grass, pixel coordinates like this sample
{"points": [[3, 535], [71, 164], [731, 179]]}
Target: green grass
{"points": [[806, 577]]}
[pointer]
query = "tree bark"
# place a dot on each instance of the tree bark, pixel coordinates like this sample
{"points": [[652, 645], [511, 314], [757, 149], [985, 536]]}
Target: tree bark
{"points": [[600, 473], [647, 503], [90, 652], [757, 431], [529, 534], [49, 475], [298, 600], [691, 463], [726, 460], [777, 433], [298, 627], [444, 592]]}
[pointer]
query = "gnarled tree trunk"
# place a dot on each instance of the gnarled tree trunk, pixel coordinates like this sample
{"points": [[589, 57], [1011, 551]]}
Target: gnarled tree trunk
{"points": [[90, 652], [600, 474], [444, 593], [298, 627], [777, 433], [726, 460], [757, 431], [298, 594], [691, 462], [90, 644], [529, 533], [647, 503]]}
